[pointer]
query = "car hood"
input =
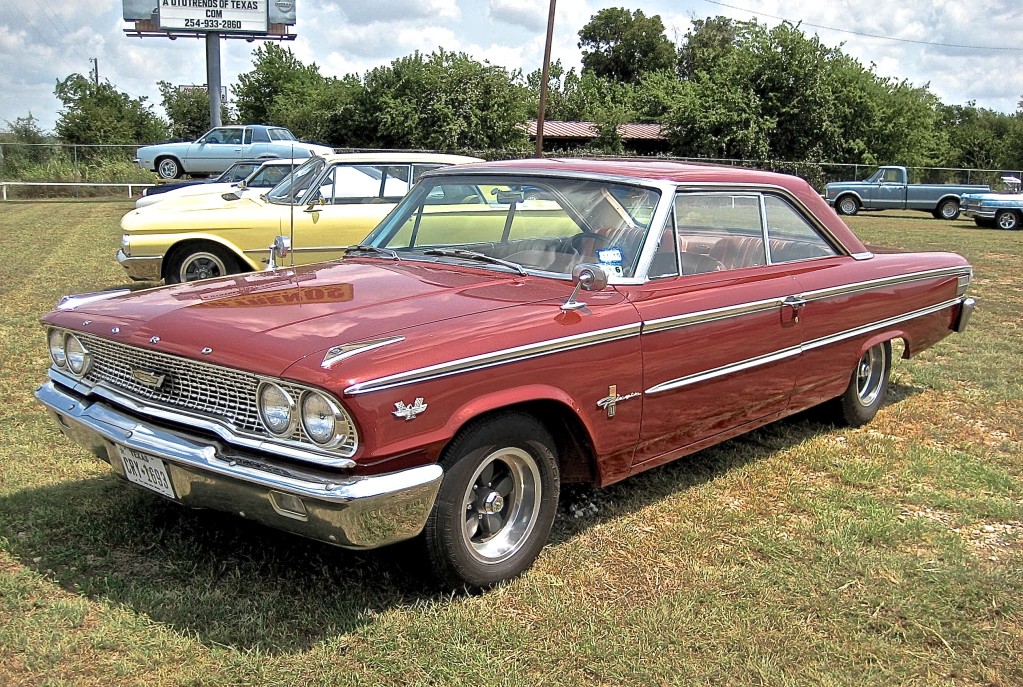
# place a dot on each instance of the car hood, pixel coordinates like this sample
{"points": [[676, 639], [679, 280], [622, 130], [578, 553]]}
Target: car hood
{"points": [[266, 321], [995, 196], [197, 211], [212, 188]]}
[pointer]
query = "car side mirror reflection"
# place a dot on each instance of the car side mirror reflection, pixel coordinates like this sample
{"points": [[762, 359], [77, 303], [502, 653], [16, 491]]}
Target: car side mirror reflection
{"points": [[278, 250], [586, 277]]}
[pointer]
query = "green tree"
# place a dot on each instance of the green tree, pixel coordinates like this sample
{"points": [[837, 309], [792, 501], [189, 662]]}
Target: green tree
{"points": [[100, 114], [188, 111], [330, 111], [445, 101], [621, 46], [275, 71], [26, 146]]}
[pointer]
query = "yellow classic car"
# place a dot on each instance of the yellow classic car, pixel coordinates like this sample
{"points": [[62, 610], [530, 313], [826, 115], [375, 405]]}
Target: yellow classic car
{"points": [[326, 204]]}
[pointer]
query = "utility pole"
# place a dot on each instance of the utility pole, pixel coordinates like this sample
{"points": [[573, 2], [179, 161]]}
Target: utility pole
{"points": [[95, 70], [543, 82]]}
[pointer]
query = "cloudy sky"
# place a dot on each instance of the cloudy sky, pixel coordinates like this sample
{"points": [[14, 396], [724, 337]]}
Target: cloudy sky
{"points": [[964, 51]]}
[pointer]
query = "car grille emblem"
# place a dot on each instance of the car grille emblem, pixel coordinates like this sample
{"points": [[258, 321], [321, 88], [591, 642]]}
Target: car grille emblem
{"points": [[409, 412], [153, 380]]}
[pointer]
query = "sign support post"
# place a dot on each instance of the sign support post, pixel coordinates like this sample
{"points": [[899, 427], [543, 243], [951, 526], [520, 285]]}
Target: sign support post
{"points": [[213, 77]]}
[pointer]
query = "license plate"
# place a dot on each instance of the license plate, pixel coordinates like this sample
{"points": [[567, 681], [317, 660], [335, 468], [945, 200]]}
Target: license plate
{"points": [[146, 471]]}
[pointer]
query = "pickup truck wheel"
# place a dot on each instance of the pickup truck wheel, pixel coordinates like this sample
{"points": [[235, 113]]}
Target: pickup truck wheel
{"points": [[867, 388], [496, 504], [168, 168], [196, 261], [1007, 219], [847, 205], [948, 209]]}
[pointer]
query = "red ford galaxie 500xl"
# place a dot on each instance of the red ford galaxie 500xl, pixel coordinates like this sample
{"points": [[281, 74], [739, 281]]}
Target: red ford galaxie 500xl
{"points": [[507, 327]]}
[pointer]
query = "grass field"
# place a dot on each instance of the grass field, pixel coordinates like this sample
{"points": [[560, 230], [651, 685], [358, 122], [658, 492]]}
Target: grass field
{"points": [[800, 554]]}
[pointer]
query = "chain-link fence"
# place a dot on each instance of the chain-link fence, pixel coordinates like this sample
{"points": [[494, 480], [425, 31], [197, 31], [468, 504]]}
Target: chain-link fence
{"points": [[81, 168]]}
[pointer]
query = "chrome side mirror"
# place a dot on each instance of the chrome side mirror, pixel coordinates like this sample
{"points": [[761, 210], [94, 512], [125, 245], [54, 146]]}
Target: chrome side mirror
{"points": [[588, 277], [280, 248]]}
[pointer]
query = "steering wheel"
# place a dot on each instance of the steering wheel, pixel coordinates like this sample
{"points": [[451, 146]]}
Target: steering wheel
{"points": [[576, 240]]}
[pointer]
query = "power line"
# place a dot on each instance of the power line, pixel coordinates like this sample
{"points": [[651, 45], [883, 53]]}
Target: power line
{"points": [[868, 35]]}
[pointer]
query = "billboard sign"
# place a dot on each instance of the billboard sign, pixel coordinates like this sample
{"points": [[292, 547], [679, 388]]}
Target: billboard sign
{"points": [[210, 15], [248, 16]]}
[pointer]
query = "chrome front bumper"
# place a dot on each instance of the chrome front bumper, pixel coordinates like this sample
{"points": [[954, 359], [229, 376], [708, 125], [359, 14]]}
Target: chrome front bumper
{"points": [[353, 512], [980, 213], [142, 268]]}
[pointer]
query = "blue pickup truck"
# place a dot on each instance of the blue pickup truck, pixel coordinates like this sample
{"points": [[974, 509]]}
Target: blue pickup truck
{"points": [[889, 189]]}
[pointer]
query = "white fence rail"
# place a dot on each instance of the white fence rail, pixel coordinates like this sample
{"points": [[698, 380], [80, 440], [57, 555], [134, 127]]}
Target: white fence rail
{"points": [[130, 187]]}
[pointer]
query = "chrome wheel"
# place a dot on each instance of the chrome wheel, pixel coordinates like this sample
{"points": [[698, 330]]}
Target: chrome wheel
{"points": [[949, 210], [848, 206], [871, 375], [1007, 220], [201, 265], [168, 168], [501, 504]]}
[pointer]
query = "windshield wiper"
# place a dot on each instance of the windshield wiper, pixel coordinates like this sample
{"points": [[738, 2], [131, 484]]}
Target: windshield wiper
{"points": [[473, 255], [363, 248]]}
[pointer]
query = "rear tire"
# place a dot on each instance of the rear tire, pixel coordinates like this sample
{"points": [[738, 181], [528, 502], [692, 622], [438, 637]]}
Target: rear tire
{"points": [[947, 209], [195, 261], [496, 504], [1008, 219], [847, 205], [168, 168], [867, 388]]}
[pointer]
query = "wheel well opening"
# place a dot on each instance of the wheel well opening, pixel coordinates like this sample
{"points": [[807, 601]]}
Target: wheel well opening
{"points": [[187, 245], [572, 441]]}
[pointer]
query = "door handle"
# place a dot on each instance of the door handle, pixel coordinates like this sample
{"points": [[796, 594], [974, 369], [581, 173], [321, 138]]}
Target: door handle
{"points": [[796, 303]]}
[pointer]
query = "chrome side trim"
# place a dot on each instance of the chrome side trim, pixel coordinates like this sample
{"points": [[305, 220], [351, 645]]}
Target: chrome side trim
{"points": [[501, 357], [120, 398], [833, 291], [796, 350], [72, 302], [675, 321]]}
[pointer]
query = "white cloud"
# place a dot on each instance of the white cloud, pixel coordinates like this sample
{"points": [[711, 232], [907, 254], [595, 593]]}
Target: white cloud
{"points": [[529, 14]]}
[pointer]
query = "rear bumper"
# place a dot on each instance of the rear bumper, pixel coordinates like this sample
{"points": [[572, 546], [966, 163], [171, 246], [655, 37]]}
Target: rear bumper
{"points": [[147, 268], [965, 312], [353, 512]]}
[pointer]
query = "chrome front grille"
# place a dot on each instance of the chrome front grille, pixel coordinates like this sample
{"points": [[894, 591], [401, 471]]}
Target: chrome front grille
{"points": [[211, 392]]}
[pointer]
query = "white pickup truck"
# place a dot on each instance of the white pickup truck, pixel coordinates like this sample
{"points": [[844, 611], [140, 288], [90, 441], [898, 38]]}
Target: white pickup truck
{"points": [[889, 189]]}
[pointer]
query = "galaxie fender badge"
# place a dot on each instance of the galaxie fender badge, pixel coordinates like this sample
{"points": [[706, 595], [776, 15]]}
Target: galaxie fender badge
{"points": [[153, 380], [409, 412], [612, 399]]}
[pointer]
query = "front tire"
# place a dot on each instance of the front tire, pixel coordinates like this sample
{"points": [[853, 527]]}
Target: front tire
{"points": [[199, 261], [1008, 219], [847, 205], [168, 168], [867, 388], [496, 504]]}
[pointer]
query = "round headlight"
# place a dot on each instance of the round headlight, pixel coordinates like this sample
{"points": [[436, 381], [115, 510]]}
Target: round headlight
{"points": [[55, 340], [276, 408], [78, 359], [319, 417]]}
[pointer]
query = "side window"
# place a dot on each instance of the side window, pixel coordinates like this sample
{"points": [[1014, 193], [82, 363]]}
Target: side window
{"points": [[790, 236], [665, 262], [417, 170], [248, 137], [719, 231], [349, 184]]}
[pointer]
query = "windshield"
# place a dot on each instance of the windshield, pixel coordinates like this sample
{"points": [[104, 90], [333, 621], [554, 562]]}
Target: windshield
{"points": [[542, 224], [294, 187], [238, 171]]}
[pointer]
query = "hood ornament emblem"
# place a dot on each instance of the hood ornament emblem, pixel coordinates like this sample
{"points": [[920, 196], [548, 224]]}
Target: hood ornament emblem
{"points": [[154, 339], [153, 380], [611, 401], [409, 412]]}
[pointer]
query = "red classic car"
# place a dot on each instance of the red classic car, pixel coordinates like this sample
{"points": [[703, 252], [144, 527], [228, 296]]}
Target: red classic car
{"points": [[508, 327]]}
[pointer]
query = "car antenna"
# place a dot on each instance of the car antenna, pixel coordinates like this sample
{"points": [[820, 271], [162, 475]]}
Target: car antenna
{"points": [[291, 233]]}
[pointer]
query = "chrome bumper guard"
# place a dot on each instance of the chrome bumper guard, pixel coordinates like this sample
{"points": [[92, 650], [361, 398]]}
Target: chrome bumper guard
{"points": [[965, 311], [142, 268], [352, 512]]}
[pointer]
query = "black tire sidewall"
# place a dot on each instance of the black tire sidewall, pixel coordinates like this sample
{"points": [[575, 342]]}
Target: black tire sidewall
{"points": [[178, 256], [853, 412], [452, 564]]}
